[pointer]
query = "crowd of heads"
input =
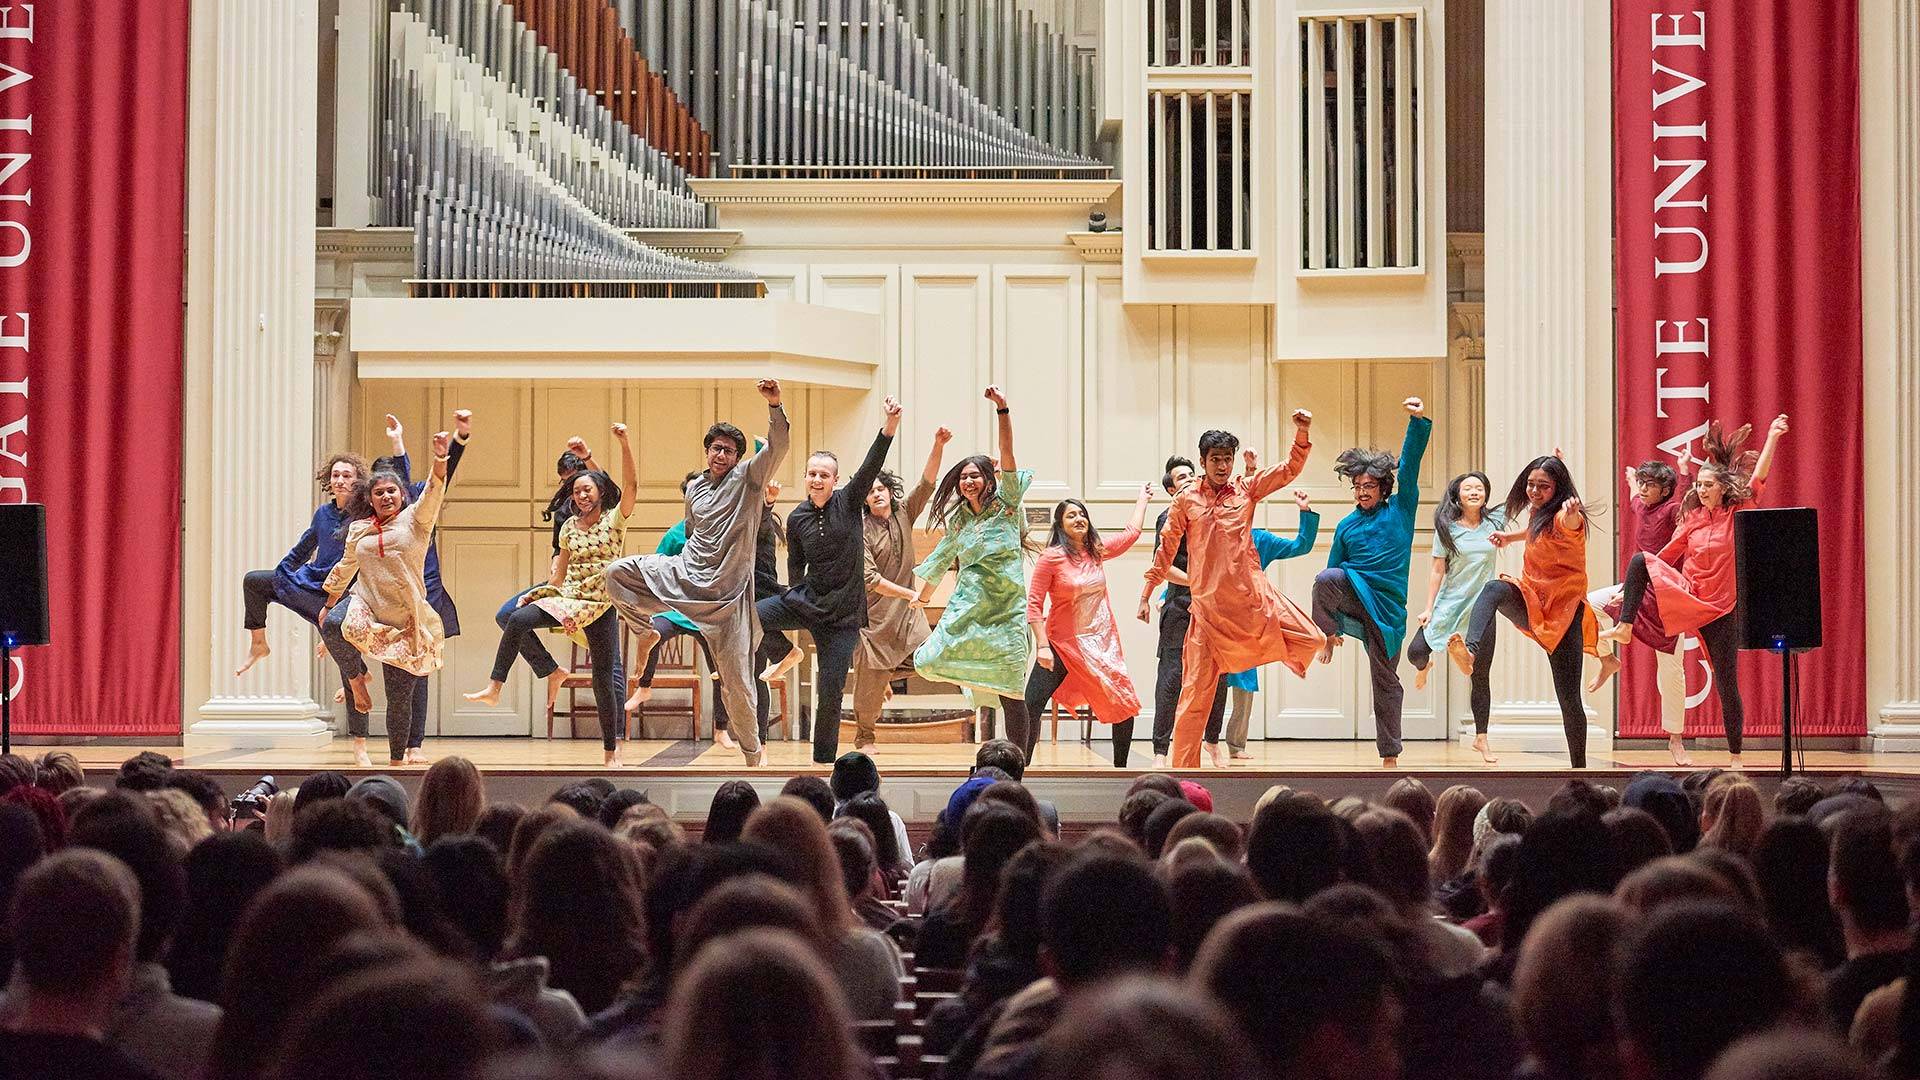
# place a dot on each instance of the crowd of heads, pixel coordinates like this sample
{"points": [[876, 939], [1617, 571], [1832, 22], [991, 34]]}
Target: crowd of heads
{"points": [[1678, 928]]}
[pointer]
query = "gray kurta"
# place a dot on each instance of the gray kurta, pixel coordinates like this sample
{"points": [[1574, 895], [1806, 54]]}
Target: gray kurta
{"points": [[894, 627], [711, 580]]}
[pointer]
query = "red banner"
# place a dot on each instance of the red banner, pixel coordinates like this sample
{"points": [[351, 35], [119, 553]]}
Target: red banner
{"points": [[1737, 222], [93, 130]]}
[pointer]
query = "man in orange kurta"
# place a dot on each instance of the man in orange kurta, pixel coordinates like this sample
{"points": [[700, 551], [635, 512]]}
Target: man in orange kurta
{"points": [[1240, 620]]}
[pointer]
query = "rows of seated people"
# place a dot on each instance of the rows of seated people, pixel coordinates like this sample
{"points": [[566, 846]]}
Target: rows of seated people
{"points": [[1682, 928]]}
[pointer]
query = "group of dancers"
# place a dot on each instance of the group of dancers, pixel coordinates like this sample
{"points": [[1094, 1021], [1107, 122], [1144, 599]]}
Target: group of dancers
{"points": [[366, 573]]}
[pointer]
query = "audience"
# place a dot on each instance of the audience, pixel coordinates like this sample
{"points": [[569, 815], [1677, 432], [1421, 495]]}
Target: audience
{"points": [[1685, 930]]}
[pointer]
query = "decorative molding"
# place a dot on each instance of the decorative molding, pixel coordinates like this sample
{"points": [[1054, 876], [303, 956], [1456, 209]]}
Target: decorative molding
{"points": [[712, 245], [1467, 331], [1898, 717], [375, 243], [840, 193], [1098, 247], [329, 327]]}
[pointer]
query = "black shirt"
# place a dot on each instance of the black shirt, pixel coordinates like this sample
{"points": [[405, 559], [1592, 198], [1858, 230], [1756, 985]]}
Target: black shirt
{"points": [[766, 569], [826, 551], [71, 1057], [1176, 613], [1850, 983]]}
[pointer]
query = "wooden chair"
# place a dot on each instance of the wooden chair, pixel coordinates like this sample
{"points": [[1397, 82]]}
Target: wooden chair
{"points": [[1082, 714], [579, 670], [677, 670], [876, 1037]]}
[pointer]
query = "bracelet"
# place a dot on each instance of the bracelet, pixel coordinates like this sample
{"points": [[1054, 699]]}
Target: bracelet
{"points": [[1002, 411], [441, 457]]}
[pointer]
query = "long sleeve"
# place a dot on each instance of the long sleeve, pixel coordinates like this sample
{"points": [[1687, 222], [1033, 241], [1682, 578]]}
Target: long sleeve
{"points": [[348, 567], [1274, 477], [1171, 534], [302, 551], [426, 512], [1337, 556], [873, 576], [454, 453], [1273, 547], [1413, 450], [1675, 553], [869, 471], [1115, 546], [917, 500], [761, 467], [797, 546], [939, 560], [405, 461], [674, 540], [1045, 569]]}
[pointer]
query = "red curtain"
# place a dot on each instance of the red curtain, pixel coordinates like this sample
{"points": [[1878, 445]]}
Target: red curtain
{"points": [[1737, 225], [93, 123]]}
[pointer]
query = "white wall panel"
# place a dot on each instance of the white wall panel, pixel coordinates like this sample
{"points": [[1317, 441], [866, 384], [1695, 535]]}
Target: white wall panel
{"points": [[1129, 403], [946, 326], [1037, 358]]}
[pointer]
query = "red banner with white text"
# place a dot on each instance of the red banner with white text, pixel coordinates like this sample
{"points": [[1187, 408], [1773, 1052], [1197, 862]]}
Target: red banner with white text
{"points": [[93, 128], [1736, 198]]}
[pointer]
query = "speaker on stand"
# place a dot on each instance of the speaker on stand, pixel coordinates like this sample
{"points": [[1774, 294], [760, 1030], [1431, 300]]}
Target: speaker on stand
{"points": [[1777, 571], [23, 596]]}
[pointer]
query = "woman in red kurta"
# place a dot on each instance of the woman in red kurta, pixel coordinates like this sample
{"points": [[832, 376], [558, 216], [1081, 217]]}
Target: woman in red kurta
{"points": [[1690, 582], [1079, 644]]}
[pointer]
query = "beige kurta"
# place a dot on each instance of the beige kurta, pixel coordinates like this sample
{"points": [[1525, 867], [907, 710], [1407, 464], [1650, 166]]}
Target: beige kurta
{"points": [[390, 620], [894, 626]]}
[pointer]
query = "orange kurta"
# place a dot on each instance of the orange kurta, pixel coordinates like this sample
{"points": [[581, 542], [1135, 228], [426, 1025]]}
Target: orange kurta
{"points": [[1553, 579], [1081, 629], [1240, 620], [1691, 581]]}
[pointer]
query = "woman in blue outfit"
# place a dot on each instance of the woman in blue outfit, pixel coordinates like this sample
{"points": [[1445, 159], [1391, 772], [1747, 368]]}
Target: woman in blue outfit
{"points": [[1463, 564]]}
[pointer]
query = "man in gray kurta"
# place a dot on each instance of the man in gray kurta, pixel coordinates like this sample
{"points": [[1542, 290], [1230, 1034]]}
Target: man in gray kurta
{"points": [[711, 580]]}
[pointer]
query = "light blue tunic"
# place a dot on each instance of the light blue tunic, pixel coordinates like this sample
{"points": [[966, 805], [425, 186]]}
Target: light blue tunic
{"points": [[1469, 568]]}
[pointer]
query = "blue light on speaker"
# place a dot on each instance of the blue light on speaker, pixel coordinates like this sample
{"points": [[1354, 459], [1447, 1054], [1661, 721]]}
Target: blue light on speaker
{"points": [[1779, 643], [12, 639]]}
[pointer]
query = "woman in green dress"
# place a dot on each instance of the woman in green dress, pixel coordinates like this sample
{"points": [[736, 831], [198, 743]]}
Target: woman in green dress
{"points": [[982, 643]]}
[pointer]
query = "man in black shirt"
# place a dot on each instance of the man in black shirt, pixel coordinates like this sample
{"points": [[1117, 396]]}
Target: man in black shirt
{"points": [[826, 578], [1175, 617]]}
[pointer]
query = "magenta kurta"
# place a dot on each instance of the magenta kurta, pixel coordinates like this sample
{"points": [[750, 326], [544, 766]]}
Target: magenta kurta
{"points": [[1081, 630]]}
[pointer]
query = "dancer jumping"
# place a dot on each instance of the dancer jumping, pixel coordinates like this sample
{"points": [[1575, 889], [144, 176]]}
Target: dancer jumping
{"points": [[1078, 644], [1654, 494], [386, 616], [711, 582], [980, 643], [1691, 581], [1176, 614], [575, 599], [895, 627], [1463, 564], [1240, 620], [826, 577], [1363, 590], [1241, 686]]}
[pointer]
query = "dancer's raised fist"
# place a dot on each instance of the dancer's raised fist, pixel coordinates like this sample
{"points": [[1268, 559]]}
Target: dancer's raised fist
{"points": [[394, 429], [1302, 418], [577, 446], [942, 436], [1250, 458], [442, 441], [997, 396], [1301, 500], [769, 389], [1779, 425], [1414, 406], [889, 406], [620, 432]]}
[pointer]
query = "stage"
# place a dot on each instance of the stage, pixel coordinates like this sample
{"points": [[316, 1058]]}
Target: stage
{"points": [[681, 775]]}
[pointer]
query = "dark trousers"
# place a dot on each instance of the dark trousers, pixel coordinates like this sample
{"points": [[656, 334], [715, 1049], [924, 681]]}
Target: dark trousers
{"points": [[1166, 700], [521, 637], [772, 648], [1041, 683], [1333, 595], [352, 665], [1419, 653], [833, 656], [1023, 729], [1721, 637], [263, 587], [1504, 598], [404, 688]]}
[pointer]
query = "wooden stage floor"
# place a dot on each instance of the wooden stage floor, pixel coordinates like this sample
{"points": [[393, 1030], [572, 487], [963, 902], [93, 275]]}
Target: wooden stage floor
{"points": [[682, 775]]}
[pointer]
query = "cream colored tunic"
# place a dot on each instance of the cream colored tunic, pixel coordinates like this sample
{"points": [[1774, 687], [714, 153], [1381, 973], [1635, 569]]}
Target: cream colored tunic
{"points": [[390, 620], [894, 627]]}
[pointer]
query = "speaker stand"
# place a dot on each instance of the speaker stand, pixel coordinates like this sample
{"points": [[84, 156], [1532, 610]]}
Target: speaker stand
{"points": [[1786, 712], [6, 693]]}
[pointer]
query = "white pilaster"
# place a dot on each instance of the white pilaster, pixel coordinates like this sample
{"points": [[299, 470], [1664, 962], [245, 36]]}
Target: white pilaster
{"points": [[249, 463], [1549, 340], [1890, 279]]}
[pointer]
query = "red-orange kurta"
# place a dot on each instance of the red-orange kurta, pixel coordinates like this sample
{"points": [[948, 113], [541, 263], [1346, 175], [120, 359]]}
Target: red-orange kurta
{"points": [[1240, 620], [1081, 630], [1691, 581], [1553, 579]]}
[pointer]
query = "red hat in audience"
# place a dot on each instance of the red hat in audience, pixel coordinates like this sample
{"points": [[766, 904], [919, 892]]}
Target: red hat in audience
{"points": [[1200, 797]]}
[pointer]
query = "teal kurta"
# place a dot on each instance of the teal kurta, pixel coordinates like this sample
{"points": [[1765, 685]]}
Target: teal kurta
{"points": [[673, 543], [1470, 566], [982, 641], [1375, 547], [1272, 547]]}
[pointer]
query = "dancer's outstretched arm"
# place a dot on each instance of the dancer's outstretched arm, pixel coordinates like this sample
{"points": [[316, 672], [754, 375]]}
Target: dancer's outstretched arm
{"points": [[426, 511], [999, 399], [1435, 579], [760, 467], [1274, 477], [1765, 465], [876, 459], [1413, 450], [397, 438]]}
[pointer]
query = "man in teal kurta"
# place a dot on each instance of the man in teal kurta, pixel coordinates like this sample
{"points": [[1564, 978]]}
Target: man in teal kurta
{"points": [[1363, 591]]}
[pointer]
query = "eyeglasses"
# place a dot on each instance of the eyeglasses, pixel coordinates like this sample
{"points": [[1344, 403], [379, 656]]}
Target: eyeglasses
{"points": [[722, 450], [1366, 485]]}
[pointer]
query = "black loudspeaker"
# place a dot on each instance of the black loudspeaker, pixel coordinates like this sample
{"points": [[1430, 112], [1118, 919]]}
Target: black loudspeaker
{"points": [[1777, 566], [23, 573]]}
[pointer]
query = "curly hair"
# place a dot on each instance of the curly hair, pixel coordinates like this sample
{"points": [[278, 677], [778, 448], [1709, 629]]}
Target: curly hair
{"points": [[896, 490], [362, 472], [1356, 462], [1727, 458]]}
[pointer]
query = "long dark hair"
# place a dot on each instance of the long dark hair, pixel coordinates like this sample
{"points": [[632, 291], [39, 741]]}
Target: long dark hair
{"points": [[896, 490], [1059, 538], [1563, 490], [947, 499], [1448, 512], [361, 506], [568, 467], [609, 491]]}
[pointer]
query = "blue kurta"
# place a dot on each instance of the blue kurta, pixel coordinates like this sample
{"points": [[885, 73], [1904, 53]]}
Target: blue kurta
{"points": [[1375, 547], [320, 547], [1272, 547]]}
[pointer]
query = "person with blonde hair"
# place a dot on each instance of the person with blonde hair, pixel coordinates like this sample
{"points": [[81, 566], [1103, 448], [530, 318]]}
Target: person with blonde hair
{"points": [[759, 1004], [57, 771], [452, 795], [863, 961], [1732, 817], [1454, 816], [177, 812]]}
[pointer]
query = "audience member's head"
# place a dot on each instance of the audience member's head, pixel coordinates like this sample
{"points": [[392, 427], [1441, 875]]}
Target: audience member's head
{"points": [[1202, 892], [1796, 795], [1218, 831], [1101, 916], [206, 791], [1638, 838], [1453, 815], [794, 830], [1010, 793], [144, 771], [21, 845], [320, 787], [1159, 823], [428, 1017], [473, 890], [990, 836], [46, 809], [58, 771], [747, 902], [733, 802], [871, 810], [1139, 1027], [1660, 795], [1676, 878], [1399, 855], [759, 1004], [125, 827], [1160, 782], [1335, 989], [1732, 816], [813, 791], [1563, 853], [1864, 882], [577, 902], [1582, 795], [224, 873], [854, 773], [528, 831], [351, 825], [1692, 979], [1135, 810], [1412, 798], [583, 799], [1733, 869], [1295, 848], [1790, 863], [1196, 793], [179, 816], [74, 919], [1563, 988], [1790, 1055], [1003, 755], [1858, 785], [452, 796], [853, 846], [384, 794]]}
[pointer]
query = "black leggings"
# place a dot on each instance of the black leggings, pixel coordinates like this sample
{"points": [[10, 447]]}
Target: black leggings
{"points": [[1504, 598], [1021, 730], [1041, 683], [1721, 637], [521, 637]]}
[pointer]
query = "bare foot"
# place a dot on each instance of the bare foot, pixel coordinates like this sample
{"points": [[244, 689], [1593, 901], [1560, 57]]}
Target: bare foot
{"points": [[613, 759], [1609, 665], [1326, 651], [362, 697], [1241, 755], [1677, 746], [391, 764], [863, 747], [640, 696], [1486, 752], [1213, 756], [725, 738], [1159, 762], [415, 756], [256, 652], [1733, 762], [786, 663], [489, 696], [555, 682], [1461, 656], [1618, 632], [1420, 677], [1389, 762], [360, 757]]}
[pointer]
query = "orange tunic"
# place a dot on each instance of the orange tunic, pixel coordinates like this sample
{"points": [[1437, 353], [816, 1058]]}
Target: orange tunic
{"points": [[1553, 579], [1691, 581], [1239, 616], [1081, 630]]}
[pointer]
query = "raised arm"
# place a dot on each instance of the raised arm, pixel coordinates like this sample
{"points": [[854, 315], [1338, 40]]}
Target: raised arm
{"points": [[999, 399], [397, 439], [1169, 544], [931, 474], [1765, 465], [761, 467], [1274, 477], [426, 512], [1273, 547], [462, 431], [629, 468], [1115, 546], [876, 459], [1413, 450]]}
